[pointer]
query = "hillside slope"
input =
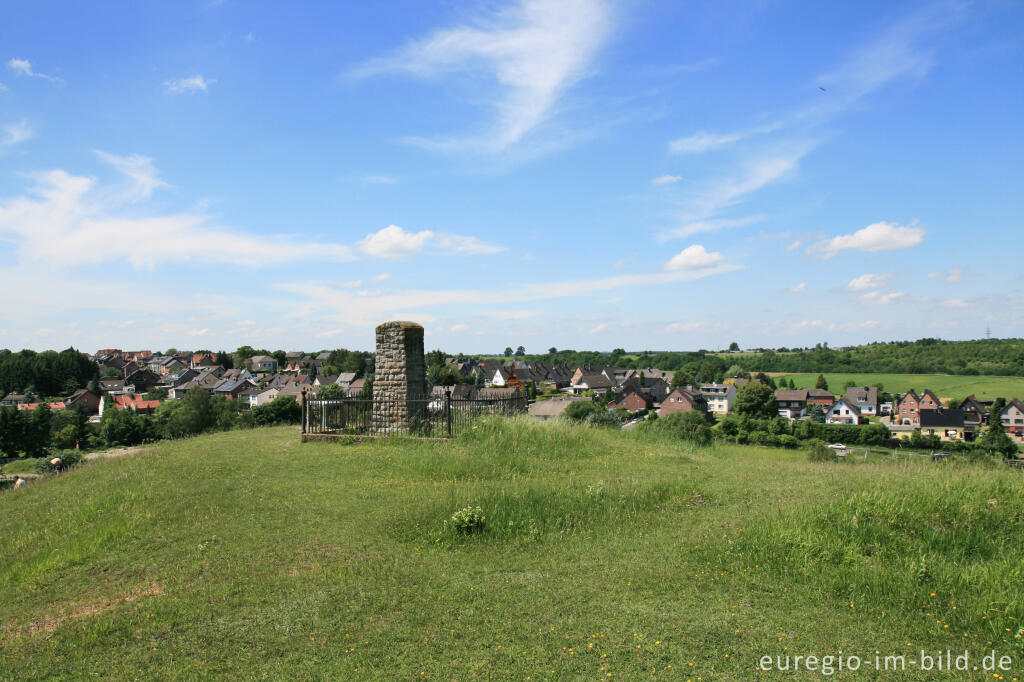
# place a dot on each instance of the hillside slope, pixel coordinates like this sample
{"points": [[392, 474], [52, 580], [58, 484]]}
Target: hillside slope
{"points": [[247, 554]]}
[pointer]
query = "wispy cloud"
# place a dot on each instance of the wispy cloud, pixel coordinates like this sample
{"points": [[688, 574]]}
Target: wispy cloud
{"points": [[868, 281], [536, 50], [666, 179], [16, 132], [799, 288], [953, 275], [705, 141], [694, 257], [139, 169], [955, 303], [65, 221], [393, 242], [879, 298], [190, 84], [713, 225], [379, 179], [880, 236], [365, 307], [23, 67]]}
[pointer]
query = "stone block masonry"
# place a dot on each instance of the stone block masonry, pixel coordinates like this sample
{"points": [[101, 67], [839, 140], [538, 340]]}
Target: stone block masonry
{"points": [[399, 377]]}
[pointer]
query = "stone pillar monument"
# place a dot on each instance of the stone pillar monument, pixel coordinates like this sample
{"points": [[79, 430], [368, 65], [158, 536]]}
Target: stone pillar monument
{"points": [[399, 377]]}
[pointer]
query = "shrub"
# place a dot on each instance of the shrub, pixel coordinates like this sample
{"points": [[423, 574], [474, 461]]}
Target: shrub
{"points": [[579, 410], [819, 452], [788, 441], [68, 459], [690, 426], [281, 410], [469, 520]]}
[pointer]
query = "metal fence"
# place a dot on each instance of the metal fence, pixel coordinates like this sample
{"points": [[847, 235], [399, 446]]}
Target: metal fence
{"points": [[439, 416]]}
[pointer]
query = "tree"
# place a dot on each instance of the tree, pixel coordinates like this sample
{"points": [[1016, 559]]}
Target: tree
{"points": [[643, 379], [225, 360], [994, 439], [366, 393], [508, 351], [690, 426], [756, 400], [520, 352], [331, 392], [821, 382], [552, 350], [38, 440], [734, 346], [816, 413]]}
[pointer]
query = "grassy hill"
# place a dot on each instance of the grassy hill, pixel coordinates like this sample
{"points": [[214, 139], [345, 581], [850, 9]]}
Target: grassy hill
{"points": [[249, 555], [944, 385]]}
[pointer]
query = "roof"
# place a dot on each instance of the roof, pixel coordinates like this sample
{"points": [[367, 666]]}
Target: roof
{"points": [[595, 381], [942, 418], [863, 395], [792, 394], [261, 359], [820, 393], [849, 403]]}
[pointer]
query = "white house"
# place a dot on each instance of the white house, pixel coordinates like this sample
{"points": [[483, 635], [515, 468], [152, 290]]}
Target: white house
{"points": [[843, 411], [264, 397], [720, 397], [264, 363]]}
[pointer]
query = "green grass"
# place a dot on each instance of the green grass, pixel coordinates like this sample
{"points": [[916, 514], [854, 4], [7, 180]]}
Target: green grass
{"points": [[944, 385], [25, 465], [248, 555]]}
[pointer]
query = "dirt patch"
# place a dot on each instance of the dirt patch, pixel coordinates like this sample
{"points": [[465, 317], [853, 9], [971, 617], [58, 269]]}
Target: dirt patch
{"points": [[117, 452], [75, 610]]}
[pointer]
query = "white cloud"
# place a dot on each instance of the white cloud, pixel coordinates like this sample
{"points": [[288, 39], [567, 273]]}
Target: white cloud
{"points": [[953, 275], [394, 242], [23, 67], [379, 180], [799, 288], [685, 326], [463, 245], [955, 303], [666, 179], [878, 298], [881, 236], [195, 83], [66, 220], [712, 225], [694, 257], [139, 169], [536, 50], [381, 277], [704, 141], [16, 132], [793, 246], [459, 328], [599, 328], [366, 307], [868, 281]]}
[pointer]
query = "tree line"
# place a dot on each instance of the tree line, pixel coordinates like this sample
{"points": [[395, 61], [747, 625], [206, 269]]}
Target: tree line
{"points": [[48, 373]]}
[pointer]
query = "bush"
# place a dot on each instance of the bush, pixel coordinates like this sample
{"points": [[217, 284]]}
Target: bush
{"points": [[579, 410], [282, 410], [469, 520], [690, 426], [819, 452], [788, 441], [68, 459]]}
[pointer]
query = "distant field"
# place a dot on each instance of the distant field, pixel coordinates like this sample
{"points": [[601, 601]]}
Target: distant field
{"points": [[606, 555], [944, 385]]}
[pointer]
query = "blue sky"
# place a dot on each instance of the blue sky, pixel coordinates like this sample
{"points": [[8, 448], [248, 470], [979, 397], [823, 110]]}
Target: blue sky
{"points": [[570, 173]]}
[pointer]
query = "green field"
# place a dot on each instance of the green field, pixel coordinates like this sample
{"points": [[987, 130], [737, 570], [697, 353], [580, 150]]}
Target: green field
{"points": [[944, 385], [606, 554]]}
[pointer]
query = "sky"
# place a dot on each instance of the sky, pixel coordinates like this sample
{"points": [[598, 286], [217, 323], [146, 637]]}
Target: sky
{"points": [[585, 174]]}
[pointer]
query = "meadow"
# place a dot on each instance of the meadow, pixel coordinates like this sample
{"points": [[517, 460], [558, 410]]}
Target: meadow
{"points": [[944, 385], [604, 555]]}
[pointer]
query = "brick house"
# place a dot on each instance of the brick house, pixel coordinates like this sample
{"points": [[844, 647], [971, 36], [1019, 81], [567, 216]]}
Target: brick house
{"points": [[908, 409], [683, 400]]}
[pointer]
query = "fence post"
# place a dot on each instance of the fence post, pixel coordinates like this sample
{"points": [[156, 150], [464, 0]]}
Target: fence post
{"points": [[448, 409], [304, 410]]}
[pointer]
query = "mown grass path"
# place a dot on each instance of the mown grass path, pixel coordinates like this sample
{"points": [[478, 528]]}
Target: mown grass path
{"points": [[249, 555]]}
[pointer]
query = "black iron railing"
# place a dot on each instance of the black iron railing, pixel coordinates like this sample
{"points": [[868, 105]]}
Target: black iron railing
{"points": [[438, 416]]}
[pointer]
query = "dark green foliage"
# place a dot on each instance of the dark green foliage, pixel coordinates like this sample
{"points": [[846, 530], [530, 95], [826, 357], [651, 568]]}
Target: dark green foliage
{"points": [[48, 373], [282, 410], [197, 412], [580, 410], [68, 458], [126, 427], [690, 426], [756, 400], [816, 413], [993, 439], [331, 392], [821, 383]]}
